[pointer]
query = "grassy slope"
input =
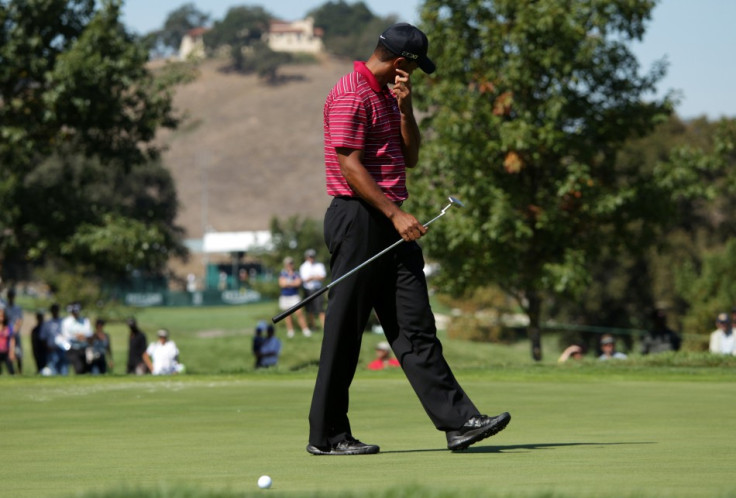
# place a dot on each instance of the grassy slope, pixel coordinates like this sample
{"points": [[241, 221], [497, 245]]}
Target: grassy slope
{"points": [[255, 149]]}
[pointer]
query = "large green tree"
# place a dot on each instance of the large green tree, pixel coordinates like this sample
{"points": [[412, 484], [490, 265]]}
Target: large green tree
{"points": [[625, 288], [241, 30], [531, 102], [74, 93]]}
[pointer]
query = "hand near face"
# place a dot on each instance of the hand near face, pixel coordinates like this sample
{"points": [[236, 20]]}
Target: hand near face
{"points": [[402, 90]]}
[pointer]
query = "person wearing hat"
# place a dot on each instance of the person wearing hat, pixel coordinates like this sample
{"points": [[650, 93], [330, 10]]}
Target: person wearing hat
{"points": [[608, 349], [383, 357], [162, 356], [722, 338], [371, 138], [313, 273], [76, 331], [268, 348]]}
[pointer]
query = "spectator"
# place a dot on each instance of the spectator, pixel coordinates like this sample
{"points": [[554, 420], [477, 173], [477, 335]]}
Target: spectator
{"points": [[258, 342], [574, 351], [15, 318], [7, 342], [661, 338], [290, 282], [313, 274], [162, 357], [38, 345], [243, 279], [268, 354], [722, 339], [99, 353], [191, 283], [383, 357], [608, 349], [56, 346], [137, 345], [76, 331]]}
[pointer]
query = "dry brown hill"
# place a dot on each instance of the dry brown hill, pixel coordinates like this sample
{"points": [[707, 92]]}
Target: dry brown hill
{"points": [[248, 151]]}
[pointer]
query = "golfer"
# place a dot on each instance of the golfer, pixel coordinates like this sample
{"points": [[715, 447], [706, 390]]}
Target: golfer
{"points": [[370, 138]]}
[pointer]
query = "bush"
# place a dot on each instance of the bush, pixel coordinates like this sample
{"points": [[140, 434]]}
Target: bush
{"points": [[487, 315]]}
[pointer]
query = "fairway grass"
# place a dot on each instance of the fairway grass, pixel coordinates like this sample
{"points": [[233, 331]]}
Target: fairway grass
{"points": [[608, 434]]}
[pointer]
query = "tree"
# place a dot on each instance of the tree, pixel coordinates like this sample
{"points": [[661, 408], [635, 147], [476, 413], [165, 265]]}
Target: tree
{"points": [[527, 112], [625, 288], [107, 220], [241, 28], [179, 22], [292, 236], [350, 30], [75, 92]]}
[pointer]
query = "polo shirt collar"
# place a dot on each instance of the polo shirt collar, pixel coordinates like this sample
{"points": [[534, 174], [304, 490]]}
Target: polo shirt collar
{"points": [[361, 68]]}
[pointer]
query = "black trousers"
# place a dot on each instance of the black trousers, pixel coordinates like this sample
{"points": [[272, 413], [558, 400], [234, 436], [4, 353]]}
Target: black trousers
{"points": [[395, 287]]}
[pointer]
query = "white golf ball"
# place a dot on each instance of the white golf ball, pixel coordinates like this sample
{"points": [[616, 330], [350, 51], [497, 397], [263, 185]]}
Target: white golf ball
{"points": [[264, 482]]}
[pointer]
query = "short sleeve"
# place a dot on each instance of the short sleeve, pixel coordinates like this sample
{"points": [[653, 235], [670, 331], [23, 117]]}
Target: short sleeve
{"points": [[348, 119]]}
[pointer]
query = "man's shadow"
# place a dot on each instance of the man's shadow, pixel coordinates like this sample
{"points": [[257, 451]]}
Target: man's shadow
{"points": [[523, 447]]}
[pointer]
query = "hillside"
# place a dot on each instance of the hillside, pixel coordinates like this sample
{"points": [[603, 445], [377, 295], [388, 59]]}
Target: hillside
{"points": [[248, 151]]}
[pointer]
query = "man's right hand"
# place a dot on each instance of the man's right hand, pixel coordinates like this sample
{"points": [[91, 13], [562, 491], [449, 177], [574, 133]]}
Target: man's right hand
{"points": [[408, 226]]}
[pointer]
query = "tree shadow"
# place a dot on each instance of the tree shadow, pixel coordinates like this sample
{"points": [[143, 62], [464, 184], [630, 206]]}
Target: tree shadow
{"points": [[526, 447]]}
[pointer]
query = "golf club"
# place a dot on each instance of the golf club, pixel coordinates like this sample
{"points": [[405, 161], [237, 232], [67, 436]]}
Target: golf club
{"points": [[284, 314]]}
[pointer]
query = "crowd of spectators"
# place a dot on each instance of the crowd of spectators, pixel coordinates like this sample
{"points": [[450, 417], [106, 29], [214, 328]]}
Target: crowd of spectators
{"points": [[60, 345], [660, 339]]}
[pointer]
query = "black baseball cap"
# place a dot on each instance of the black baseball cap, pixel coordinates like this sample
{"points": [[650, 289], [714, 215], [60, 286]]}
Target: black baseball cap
{"points": [[407, 41]]}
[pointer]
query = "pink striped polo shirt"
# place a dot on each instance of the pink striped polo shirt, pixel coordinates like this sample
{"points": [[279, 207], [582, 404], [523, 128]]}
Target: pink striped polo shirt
{"points": [[358, 114]]}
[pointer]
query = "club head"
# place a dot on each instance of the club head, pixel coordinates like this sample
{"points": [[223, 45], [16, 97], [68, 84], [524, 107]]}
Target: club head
{"points": [[455, 201]]}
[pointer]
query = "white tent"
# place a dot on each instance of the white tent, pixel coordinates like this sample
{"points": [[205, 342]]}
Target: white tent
{"points": [[236, 241]]}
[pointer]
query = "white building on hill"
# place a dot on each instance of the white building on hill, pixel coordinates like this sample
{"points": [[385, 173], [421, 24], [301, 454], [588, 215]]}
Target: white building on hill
{"points": [[294, 37], [192, 44], [297, 36]]}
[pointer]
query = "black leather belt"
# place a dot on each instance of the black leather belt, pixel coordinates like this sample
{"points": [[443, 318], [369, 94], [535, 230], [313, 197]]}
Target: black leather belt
{"points": [[349, 198]]}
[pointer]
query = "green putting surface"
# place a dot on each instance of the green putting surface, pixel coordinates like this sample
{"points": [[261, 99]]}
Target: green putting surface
{"points": [[599, 433]]}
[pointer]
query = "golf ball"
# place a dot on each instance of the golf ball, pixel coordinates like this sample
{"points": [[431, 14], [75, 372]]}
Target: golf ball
{"points": [[264, 482]]}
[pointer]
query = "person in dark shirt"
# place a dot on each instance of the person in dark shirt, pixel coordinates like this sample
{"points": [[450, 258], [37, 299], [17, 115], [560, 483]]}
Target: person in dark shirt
{"points": [[137, 345], [38, 345], [661, 338]]}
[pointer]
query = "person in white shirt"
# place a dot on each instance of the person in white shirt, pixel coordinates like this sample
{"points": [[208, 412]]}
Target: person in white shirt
{"points": [[76, 331], [313, 273], [723, 340], [162, 356]]}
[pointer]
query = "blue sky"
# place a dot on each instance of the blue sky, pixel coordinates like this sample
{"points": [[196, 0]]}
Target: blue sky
{"points": [[696, 37]]}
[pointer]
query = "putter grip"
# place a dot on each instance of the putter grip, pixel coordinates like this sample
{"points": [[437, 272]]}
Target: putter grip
{"points": [[298, 305]]}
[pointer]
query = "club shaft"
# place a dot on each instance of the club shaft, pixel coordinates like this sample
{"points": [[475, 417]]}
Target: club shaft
{"points": [[368, 261]]}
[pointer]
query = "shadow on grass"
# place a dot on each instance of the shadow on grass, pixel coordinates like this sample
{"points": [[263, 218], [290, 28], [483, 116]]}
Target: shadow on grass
{"points": [[511, 447]]}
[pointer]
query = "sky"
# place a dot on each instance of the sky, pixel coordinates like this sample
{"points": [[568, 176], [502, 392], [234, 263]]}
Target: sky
{"points": [[696, 38]]}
